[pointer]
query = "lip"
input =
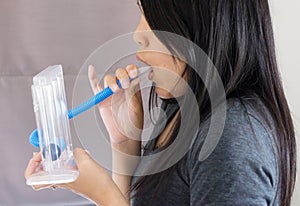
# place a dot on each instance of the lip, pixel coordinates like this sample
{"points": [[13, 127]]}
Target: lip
{"points": [[140, 59], [150, 74]]}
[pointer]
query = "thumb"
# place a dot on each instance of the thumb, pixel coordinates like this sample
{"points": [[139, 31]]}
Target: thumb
{"points": [[81, 156]]}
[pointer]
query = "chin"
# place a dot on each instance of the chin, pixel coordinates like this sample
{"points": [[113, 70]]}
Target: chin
{"points": [[163, 93]]}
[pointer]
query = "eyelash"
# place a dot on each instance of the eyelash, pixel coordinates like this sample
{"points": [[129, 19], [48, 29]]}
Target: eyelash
{"points": [[139, 5]]}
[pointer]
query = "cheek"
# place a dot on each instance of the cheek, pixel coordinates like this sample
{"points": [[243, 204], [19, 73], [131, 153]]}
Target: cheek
{"points": [[164, 79], [168, 83], [166, 74], [166, 71]]}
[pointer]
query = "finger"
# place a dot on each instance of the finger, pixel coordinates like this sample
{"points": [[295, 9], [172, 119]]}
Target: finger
{"points": [[94, 81], [134, 88], [40, 187], [110, 81], [132, 70], [33, 165], [123, 76], [37, 156], [81, 156], [133, 95]]}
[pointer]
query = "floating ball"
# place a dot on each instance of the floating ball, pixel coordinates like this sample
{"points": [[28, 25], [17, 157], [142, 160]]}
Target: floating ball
{"points": [[54, 151]]}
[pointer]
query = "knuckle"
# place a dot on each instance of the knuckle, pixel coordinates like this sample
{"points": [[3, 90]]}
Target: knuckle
{"points": [[79, 151], [105, 78], [119, 70], [131, 67], [121, 73], [132, 70], [36, 188], [108, 78]]}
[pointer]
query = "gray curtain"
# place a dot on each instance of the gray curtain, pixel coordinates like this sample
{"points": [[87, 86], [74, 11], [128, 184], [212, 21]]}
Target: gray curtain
{"points": [[33, 35]]}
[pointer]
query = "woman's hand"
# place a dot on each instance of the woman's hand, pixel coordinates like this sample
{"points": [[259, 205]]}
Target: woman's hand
{"points": [[122, 113], [93, 181]]}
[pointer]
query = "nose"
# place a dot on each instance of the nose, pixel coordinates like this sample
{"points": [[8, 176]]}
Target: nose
{"points": [[140, 34]]}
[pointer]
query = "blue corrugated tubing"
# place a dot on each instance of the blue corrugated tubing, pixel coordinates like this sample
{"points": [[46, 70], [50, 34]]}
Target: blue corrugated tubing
{"points": [[98, 98], [34, 139]]}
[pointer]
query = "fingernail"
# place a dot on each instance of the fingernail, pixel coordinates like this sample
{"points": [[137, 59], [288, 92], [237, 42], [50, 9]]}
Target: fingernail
{"points": [[125, 83], [133, 73], [115, 87], [33, 154]]}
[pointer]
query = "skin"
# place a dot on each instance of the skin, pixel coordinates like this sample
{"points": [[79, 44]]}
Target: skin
{"points": [[166, 74], [93, 181]]}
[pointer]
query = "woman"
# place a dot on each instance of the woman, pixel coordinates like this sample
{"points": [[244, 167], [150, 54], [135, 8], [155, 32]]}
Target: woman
{"points": [[254, 160]]}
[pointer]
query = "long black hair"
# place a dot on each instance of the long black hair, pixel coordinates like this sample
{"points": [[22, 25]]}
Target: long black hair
{"points": [[237, 36]]}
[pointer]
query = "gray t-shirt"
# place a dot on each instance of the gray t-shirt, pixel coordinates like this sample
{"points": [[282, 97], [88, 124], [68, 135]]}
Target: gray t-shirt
{"points": [[242, 169]]}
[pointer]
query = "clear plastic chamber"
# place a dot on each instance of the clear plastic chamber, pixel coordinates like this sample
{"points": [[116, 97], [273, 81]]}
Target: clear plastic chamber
{"points": [[51, 113]]}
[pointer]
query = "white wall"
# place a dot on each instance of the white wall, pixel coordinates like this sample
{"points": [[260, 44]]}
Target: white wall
{"points": [[286, 20]]}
